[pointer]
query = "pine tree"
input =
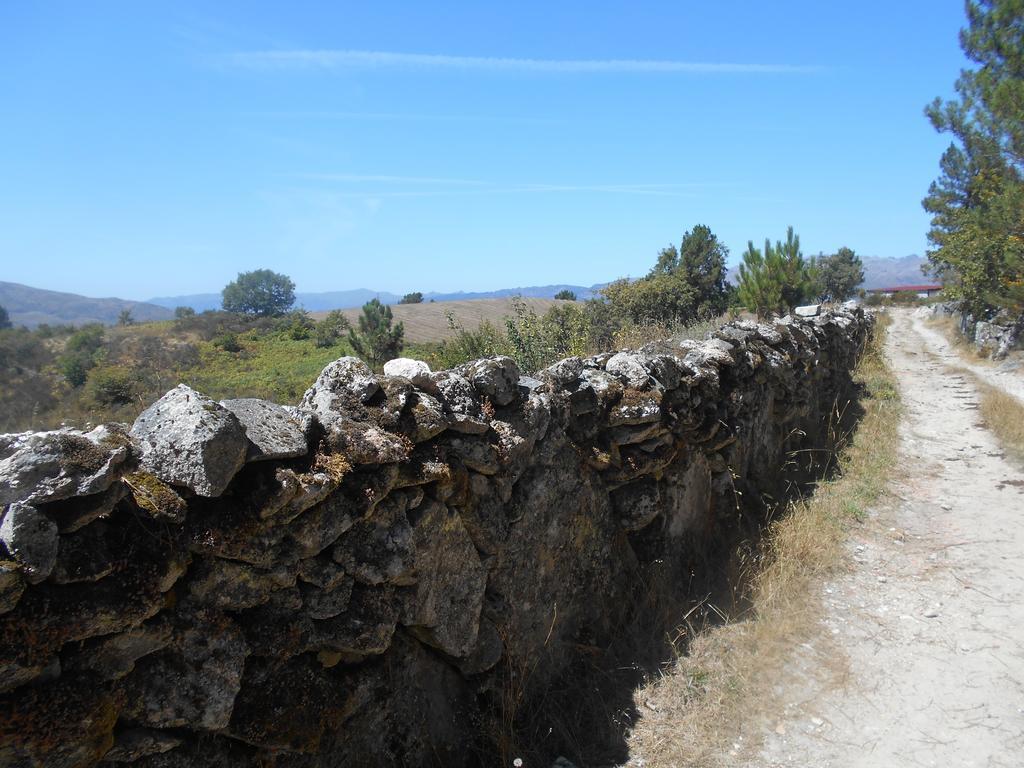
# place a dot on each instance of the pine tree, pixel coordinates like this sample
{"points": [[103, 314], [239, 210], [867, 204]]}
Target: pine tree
{"points": [[377, 340], [775, 280], [977, 204]]}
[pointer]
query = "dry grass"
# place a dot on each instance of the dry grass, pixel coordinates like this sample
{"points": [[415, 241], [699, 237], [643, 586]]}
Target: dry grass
{"points": [[950, 328], [695, 711], [428, 322], [1002, 413]]}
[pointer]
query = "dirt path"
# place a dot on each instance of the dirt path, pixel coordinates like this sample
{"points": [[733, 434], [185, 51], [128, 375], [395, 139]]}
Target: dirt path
{"points": [[1010, 381], [921, 660]]}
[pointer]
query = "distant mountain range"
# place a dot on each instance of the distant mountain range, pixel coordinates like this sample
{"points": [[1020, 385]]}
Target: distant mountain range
{"points": [[884, 273], [319, 302], [32, 306]]}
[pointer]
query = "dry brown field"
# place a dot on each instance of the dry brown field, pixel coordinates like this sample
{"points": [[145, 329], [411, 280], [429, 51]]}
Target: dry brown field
{"points": [[428, 323]]}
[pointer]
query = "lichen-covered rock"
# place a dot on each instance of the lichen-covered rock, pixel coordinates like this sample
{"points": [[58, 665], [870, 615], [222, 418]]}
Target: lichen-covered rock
{"points": [[344, 384], [235, 586], [31, 538], [461, 403], [86, 555], [272, 431], [637, 504], [415, 371], [66, 724], [38, 467], [360, 444], [134, 743], [78, 511], [190, 441], [320, 603], [450, 583], [364, 629], [379, 548], [12, 585], [630, 369], [114, 656], [426, 417], [289, 706], [193, 683], [497, 378], [564, 374]]}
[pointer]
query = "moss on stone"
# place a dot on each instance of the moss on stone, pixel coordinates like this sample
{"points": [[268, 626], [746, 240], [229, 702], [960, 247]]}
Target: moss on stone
{"points": [[155, 496]]}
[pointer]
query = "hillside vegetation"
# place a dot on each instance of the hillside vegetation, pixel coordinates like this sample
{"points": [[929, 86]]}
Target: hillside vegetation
{"points": [[34, 306]]}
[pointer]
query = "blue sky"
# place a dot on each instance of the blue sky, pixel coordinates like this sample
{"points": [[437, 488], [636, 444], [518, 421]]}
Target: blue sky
{"points": [[160, 148]]}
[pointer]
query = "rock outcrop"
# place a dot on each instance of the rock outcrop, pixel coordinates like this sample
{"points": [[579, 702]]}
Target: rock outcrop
{"points": [[356, 581]]}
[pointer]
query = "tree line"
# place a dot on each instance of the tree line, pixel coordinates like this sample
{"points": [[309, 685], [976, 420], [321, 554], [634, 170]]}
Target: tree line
{"points": [[977, 203]]}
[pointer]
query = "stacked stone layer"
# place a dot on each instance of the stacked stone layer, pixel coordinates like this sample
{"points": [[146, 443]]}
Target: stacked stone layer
{"points": [[349, 582]]}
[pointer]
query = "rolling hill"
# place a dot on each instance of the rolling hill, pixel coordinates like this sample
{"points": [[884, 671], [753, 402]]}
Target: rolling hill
{"points": [[428, 322], [34, 306]]}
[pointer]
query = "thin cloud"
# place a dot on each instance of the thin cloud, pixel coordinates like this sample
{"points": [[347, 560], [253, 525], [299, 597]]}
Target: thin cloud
{"points": [[326, 59]]}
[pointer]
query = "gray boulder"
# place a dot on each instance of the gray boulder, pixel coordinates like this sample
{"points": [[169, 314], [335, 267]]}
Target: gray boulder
{"points": [[445, 611], [190, 441], [415, 371], [273, 432], [495, 377], [32, 540], [460, 401], [194, 682], [345, 383], [630, 369], [810, 310], [48, 466]]}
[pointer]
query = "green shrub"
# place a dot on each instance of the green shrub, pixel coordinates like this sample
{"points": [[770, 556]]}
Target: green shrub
{"points": [[228, 342], [110, 385], [298, 325], [330, 329]]}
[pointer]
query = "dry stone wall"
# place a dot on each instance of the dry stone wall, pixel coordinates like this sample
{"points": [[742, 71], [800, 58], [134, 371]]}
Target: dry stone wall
{"points": [[356, 580]]}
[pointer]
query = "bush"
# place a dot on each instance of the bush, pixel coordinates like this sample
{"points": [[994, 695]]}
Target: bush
{"points": [[80, 354], [330, 329], [298, 325], [180, 313], [111, 385], [412, 298], [466, 345], [228, 342], [565, 295]]}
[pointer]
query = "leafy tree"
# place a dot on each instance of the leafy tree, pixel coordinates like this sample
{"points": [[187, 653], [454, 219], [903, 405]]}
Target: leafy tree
{"points": [[977, 203], [839, 274], [565, 295], [702, 264], [377, 339], [180, 313], [5, 319], [124, 318], [260, 292], [685, 283], [330, 329], [412, 298]]}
